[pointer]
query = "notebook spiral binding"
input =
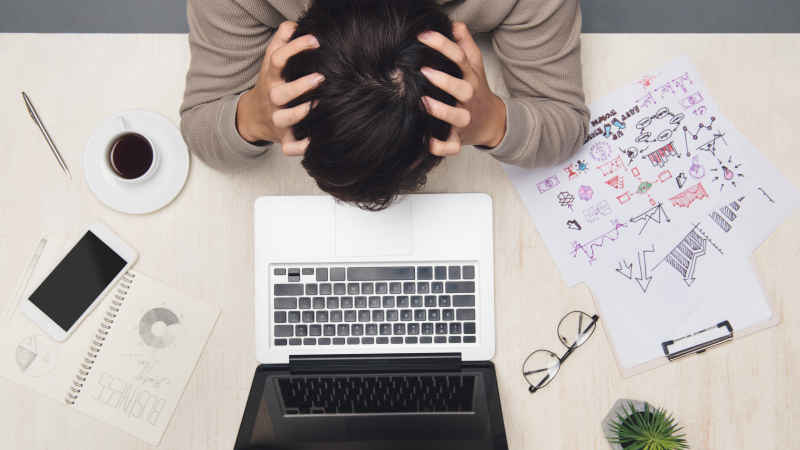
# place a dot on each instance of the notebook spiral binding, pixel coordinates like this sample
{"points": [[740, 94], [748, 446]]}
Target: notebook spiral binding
{"points": [[99, 337]]}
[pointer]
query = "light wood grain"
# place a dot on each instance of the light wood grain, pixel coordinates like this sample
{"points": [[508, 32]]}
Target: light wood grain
{"points": [[739, 396]]}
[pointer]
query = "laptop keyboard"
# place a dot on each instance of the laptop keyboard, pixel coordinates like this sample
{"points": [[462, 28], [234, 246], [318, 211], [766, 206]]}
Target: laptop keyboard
{"points": [[377, 394], [356, 305]]}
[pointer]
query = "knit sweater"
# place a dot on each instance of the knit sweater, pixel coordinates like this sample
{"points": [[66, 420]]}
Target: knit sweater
{"points": [[537, 42]]}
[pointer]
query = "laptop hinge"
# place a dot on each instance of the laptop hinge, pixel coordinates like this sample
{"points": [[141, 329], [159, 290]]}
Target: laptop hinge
{"points": [[391, 362]]}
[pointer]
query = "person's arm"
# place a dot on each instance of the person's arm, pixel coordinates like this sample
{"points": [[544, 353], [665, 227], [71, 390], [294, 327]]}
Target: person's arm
{"points": [[538, 44], [227, 48]]}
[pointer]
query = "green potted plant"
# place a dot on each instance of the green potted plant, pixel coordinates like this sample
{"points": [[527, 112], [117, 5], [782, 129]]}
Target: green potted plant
{"points": [[640, 426]]}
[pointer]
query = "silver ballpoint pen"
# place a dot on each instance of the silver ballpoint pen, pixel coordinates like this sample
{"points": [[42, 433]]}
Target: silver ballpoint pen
{"points": [[35, 118]]}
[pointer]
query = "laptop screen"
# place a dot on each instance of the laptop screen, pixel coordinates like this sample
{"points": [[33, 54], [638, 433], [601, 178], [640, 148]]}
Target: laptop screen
{"points": [[374, 410]]}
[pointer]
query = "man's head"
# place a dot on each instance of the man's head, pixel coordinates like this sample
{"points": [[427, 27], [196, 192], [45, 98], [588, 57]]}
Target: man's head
{"points": [[369, 130]]}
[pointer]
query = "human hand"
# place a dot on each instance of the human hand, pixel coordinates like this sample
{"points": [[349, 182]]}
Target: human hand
{"points": [[260, 115], [479, 117]]}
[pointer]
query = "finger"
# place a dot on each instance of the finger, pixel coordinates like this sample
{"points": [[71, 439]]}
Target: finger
{"points": [[285, 118], [292, 147], [281, 37], [454, 116], [446, 47], [286, 92], [450, 147], [281, 55], [465, 41], [460, 89]]}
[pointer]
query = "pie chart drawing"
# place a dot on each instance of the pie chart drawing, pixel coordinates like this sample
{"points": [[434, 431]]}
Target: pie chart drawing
{"points": [[159, 328], [36, 355]]}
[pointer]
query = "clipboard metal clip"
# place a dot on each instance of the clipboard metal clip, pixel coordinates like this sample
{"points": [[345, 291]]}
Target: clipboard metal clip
{"points": [[699, 348]]}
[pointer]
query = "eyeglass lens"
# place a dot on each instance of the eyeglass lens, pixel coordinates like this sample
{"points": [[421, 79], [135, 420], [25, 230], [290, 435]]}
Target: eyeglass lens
{"points": [[540, 368], [575, 328]]}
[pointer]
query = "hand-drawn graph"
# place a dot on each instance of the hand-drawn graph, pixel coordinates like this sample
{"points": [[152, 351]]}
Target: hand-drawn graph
{"points": [[647, 100], [617, 182], [573, 225], [691, 100], [36, 355], [728, 175], [632, 153], [765, 194], [664, 89], [588, 248], [697, 171], [684, 256], [655, 214], [681, 179], [661, 156], [663, 123], [725, 216], [680, 82], [594, 212], [710, 145], [646, 80], [566, 199], [159, 327], [585, 193], [685, 198], [612, 166], [547, 184]]}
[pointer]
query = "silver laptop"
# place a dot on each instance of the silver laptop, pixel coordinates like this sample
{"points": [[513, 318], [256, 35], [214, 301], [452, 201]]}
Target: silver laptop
{"points": [[332, 279]]}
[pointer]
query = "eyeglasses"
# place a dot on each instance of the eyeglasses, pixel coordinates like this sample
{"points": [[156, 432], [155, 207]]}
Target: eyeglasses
{"points": [[541, 366]]}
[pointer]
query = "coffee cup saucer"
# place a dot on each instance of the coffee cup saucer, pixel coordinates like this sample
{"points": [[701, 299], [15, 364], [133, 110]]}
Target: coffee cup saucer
{"points": [[151, 194]]}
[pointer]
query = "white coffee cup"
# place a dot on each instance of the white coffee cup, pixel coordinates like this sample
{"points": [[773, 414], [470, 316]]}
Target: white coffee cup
{"points": [[122, 130]]}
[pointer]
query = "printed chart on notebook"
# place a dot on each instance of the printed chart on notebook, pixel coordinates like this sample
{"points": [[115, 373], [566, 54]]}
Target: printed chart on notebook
{"points": [[659, 157]]}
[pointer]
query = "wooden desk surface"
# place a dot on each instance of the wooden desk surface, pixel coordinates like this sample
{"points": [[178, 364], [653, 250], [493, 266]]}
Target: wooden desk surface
{"points": [[739, 396]]}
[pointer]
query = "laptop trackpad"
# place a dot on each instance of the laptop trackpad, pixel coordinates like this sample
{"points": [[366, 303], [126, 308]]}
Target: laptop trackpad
{"points": [[365, 233]]}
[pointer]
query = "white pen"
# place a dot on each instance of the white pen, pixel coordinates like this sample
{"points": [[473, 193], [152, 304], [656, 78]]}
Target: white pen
{"points": [[35, 118]]}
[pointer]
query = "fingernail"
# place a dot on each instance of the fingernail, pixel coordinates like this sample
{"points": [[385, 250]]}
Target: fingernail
{"points": [[427, 71], [313, 40], [314, 103], [427, 105], [425, 35], [318, 79]]}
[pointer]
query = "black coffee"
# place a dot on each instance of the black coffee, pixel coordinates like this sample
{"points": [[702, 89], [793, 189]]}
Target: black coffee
{"points": [[131, 156]]}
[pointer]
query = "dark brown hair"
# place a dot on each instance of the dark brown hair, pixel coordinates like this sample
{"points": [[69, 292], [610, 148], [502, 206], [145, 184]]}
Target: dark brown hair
{"points": [[369, 130]]}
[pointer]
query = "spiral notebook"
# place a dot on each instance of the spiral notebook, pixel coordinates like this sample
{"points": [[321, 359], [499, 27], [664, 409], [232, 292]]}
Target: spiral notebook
{"points": [[128, 362]]}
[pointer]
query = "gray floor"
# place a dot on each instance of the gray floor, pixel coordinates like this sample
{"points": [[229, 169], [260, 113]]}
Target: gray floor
{"points": [[599, 16]]}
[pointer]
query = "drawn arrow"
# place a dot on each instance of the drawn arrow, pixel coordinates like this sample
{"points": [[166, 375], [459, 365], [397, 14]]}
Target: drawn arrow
{"points": [[570, 206], [627, 266], [643, 269]]}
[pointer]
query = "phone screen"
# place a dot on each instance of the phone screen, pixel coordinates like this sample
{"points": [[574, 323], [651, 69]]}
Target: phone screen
{"points": [[77, 280]]}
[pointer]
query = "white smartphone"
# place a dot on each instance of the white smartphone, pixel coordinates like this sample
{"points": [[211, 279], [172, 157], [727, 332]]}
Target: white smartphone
{"points": [[78, 281]]}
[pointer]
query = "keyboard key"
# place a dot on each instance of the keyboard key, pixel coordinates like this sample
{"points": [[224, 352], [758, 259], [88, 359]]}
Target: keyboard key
{"points": [[399, 329], [411, 340], [463, 300], [379, 273], [454, 272], [397, 340], [377, 316], [304, 303], [343, 330], [416, 301], [367, 288], [347, 302], [419, 315], [425, 273], [408, 288], [361, 302], [280, 341], [308, 316], [391, 315], [322, 316], [332, 302], [388, 302], [402, 301], [468, 272], [437, 287], [337, 273], [433, 314], [293, 278], [405, 315], [325, 289], [284, 330], [357, 329], [441, 328], [288, 289], [309, 341], [294, 271], [353, 289], [336, 316], [423, 287], [294, 316], [459, 287], [295, 341], [308, 271], [280, 317], [372, 329], [382, 340], [440, 340], [279, 272], [455, 328], [318, 302], [385, 328], [329, 330], [355, 341], [339, 289], [363, 316], [454, 339], [447, 314], [430, 301], [444, 301], [301, 330], [469, 328], [425, 340], [367, 341], [381, 288], [311, 288], [440, 272], [427, 328], [315, 330], [350, 316], [286, 303], [465, 314], [322, 274], [324, 341], [395, 288], [469, 339], [374, 301], [338, 341]]}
